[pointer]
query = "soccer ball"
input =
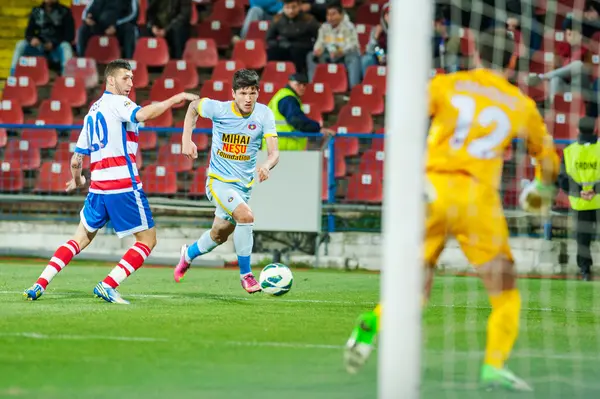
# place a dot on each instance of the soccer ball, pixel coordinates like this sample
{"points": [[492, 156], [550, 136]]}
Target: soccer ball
{"points": [[276, 279]]}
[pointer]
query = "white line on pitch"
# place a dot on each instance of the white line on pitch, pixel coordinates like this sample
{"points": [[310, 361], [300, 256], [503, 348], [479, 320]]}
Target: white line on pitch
{"points": [[324, 301], [34, 335]]}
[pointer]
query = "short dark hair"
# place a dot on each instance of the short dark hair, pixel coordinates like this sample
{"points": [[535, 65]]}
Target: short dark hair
{"points": [[114, 66], [496, 48], [243, 78], [290, 1], [587, 125], [336, 5]]}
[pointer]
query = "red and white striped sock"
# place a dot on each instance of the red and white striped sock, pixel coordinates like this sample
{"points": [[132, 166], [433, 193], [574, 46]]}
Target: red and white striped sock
{"points": [[61, 258], [132, 260]]}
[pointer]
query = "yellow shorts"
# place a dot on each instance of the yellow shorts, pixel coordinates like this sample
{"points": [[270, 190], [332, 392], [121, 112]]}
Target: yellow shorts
{"points": [[469, 211]]}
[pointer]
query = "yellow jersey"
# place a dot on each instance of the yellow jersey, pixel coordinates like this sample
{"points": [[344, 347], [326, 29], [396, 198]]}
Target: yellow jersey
{"points": [[476, 115]]}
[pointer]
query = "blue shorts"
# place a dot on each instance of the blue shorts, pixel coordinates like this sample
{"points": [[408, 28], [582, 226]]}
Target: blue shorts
{"points": [[225, 197], [128, 212]]}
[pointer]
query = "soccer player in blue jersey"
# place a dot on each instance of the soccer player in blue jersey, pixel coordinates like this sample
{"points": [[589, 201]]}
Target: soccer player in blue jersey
{"points": [[238, 129]]}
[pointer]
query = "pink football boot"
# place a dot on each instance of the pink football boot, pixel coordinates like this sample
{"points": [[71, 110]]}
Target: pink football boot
{"points": [[182, 267], [250, 284]]}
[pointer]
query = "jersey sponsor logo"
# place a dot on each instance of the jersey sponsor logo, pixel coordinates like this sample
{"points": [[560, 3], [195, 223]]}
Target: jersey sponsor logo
{"points": [[127, 103], [234, 147]]}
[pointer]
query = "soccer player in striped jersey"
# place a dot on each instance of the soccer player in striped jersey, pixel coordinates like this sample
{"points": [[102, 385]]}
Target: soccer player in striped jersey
{"points": [[110, 137], [238, 129]]}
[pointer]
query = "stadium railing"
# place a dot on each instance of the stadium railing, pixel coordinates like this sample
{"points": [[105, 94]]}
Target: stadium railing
{"points": [[34, 168]]}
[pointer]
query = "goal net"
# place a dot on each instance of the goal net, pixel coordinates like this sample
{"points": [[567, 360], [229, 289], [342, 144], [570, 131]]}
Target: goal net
{"points": [[558, 348]]}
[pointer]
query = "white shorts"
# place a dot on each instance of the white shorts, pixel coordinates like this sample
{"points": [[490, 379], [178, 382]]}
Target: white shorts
{"points": [[225, 197]]}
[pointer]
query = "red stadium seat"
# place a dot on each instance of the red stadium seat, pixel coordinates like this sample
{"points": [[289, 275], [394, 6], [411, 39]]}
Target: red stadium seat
{"points": [[3, 137], [364, 34], [340, 163], [334, 74], [103, 49], [371, 162], [164, 120], [158, 179], [229, 10], [345, 146], [11, 177], [143, 8], [77, 12], [21, 89], [152, 51], [278, 71], [201, 52], [365, 187], [320, 96], [376, 75], [258, 30], [54, 112], [36, 68], [324, 186], [224, 70], [194, 15], [562, 201], [368, 97], [170, 156], [217, 90], [185, 72], [22, 153], [147, 140], [268, 90], [201, 139], [11, 112], [467, 42], [353, 119], [568, 103], [64, 152], [368, 14], [164, 88], [84, 68], [253, 53], [313, 113], [217, 30], [377, 144], [198, 187], [348, 3], [141, 79], [53, 177], [562, 125], [70, 90], [40, 138]]}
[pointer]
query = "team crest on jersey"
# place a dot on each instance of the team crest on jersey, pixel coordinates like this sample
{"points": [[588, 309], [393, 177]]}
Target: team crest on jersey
{"points": [[230, 199], [252, 126]]}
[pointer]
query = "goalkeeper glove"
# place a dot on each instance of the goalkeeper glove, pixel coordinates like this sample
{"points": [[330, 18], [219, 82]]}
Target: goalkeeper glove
{"points": [[536, 197]]}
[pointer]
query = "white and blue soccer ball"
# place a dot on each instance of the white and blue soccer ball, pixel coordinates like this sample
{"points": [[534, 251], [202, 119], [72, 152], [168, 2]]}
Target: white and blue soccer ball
{"points": [[276, 279]]}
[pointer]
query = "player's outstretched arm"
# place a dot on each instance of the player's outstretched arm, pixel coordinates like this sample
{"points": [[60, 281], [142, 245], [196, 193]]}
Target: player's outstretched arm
{"points": [[154, 110], [78, 180], [272, 158], [188, 147]]}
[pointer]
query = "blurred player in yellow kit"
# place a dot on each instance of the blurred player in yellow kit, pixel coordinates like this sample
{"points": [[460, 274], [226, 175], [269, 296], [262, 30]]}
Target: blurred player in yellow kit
{"points": [[475, 115]]}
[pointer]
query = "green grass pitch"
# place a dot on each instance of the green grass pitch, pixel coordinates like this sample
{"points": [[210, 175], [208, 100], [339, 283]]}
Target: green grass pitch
{"points": [[207, 338]]}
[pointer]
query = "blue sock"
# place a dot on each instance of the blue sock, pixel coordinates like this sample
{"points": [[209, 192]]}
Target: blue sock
{"points": [[204, 245], [244, 264]]}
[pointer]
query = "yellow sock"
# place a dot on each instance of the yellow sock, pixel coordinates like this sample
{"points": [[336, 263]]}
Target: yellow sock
{"points": [[377, 310], [502, 327]]}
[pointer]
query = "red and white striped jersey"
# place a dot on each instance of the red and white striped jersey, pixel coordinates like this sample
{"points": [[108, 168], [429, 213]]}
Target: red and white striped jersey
{"points": [[110, 137]]}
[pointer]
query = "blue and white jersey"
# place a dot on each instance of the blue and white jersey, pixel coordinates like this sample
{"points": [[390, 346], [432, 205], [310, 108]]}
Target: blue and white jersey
{"points": [[236, 139]]}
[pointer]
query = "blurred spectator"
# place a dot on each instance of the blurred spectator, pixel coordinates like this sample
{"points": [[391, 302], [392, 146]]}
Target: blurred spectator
{"points": [[110, 18], [318, 8], [289, 116], [292, 35], [260, 10], [170, 19], [337, 43], [575, 59], [376, 52], [590, 21], [49, 33]]}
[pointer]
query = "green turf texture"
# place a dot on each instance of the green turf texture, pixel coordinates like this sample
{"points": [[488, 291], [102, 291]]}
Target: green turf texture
{"points": [[207, 338]]}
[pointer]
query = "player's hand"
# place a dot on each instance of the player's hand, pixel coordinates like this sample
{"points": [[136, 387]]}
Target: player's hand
{"points": [[111, 30], [318, 52], [35, 42], [263, 173], [74, 184], [328, 132], [587, 194], [189, 149], [185, 97]]}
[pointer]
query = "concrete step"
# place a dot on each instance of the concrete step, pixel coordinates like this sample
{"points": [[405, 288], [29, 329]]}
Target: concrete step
{"points": [[10, 23], [18, 12]]}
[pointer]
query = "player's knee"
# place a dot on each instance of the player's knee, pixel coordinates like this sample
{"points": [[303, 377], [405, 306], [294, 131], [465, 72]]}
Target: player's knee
{"points": [[243, 215], [498, 275], [219, 235]]}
